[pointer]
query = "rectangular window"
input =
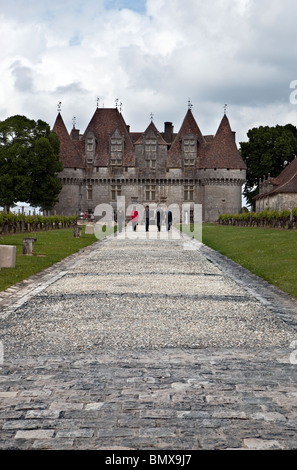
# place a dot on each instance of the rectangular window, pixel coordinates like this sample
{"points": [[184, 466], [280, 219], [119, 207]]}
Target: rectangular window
{"points": [[150, 153], [190, 150], [189, 161], [150, 192], [89, 193], [189, 192], [116, 151], [116, 190], [90, 146], [150, 163], [150, 146]]}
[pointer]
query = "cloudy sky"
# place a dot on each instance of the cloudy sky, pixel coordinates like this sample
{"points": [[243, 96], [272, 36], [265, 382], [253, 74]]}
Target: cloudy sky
{"points": [[151, 55]]}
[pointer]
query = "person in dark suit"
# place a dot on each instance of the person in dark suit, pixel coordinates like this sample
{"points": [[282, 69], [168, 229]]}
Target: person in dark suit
{"points": [[147, 218], [169, 220], [159, 218]]}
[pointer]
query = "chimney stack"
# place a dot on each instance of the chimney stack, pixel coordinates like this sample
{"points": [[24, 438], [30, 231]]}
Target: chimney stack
{"points": [[168, 131], [75, 134]]}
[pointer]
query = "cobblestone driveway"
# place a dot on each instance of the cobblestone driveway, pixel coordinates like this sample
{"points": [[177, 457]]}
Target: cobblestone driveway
{"points": [[147, 344]]}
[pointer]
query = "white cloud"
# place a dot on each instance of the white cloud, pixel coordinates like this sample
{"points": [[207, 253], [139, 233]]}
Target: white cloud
{"points": [[240, 52]]}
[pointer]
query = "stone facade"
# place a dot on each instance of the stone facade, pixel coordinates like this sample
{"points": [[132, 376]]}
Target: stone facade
{"points": [[109, 161], [278, 193]]}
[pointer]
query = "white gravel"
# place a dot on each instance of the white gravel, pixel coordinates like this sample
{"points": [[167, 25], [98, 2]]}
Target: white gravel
{"points": [[134, 294]]}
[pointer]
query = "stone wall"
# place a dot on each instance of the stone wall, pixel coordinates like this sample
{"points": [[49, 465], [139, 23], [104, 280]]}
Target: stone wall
{"points": [[278, 201], [219, 191]]}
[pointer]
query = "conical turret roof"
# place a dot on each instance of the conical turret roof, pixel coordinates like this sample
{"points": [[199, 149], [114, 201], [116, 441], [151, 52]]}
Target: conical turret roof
{"points": [[222, 152], [70, 151]]}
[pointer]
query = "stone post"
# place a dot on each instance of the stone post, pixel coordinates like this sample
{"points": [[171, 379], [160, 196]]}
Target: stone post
{"points": [[28, 246], [77, 231]]}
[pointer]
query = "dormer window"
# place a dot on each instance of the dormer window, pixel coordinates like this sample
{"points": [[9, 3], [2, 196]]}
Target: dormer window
{"points": [[189, 150], [116, 149], [90, 144], [90, 148], [150, 149]]}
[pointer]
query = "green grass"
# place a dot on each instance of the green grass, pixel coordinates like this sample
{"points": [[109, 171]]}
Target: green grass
{"points": [[269, 253], [50, 248]]}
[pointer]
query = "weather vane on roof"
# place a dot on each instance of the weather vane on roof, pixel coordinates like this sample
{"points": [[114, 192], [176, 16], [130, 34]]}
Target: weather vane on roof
{"points": [[190, 106], [152, 117], [118, 104], [74, 122], [59, 106], [98, 103], [225, 109]]}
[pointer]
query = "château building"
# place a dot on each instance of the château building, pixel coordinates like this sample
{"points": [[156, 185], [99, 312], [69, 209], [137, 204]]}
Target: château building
{"points": [[108, 160], [278, 193]]}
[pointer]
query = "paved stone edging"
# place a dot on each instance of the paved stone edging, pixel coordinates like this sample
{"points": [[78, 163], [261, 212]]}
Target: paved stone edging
{"points": [[277, 301]]}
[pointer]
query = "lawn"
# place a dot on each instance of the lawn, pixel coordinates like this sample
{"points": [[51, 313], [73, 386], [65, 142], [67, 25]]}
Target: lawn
{"points": [[51, 247], [269, 253]]}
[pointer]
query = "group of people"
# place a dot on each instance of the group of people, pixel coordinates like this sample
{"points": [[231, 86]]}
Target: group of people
{"points": [[159, 217], [134, 216], [86, 216]]}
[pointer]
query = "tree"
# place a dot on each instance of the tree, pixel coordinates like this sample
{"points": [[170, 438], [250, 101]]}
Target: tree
{"points": [[29, 163], [269, 150]]}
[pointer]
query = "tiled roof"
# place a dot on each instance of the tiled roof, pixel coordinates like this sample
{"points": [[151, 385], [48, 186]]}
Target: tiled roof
{"points": [[287, 174], [221, 151], [151, 128], [135, 136], [103, 124], [217, 151], [289, 187], [189, 126], [285, 182], [71, 152]]}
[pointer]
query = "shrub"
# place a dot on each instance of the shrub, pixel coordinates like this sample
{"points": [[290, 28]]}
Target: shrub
{"points": [[270, 218], [12, 223]]}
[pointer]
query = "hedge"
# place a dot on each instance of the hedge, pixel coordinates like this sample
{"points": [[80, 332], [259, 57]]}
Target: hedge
{"points": [[14, 223], [285, 219]]}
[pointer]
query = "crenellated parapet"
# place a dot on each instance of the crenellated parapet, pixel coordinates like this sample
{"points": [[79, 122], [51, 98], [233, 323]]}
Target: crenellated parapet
{"points": [[222, 181]]}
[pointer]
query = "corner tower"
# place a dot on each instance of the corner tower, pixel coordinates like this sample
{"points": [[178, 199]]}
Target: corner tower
{"points": [[222, 172]]}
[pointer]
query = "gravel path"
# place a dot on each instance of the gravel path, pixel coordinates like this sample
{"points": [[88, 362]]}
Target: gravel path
{"points": [[143, 295], [147, 344]]}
